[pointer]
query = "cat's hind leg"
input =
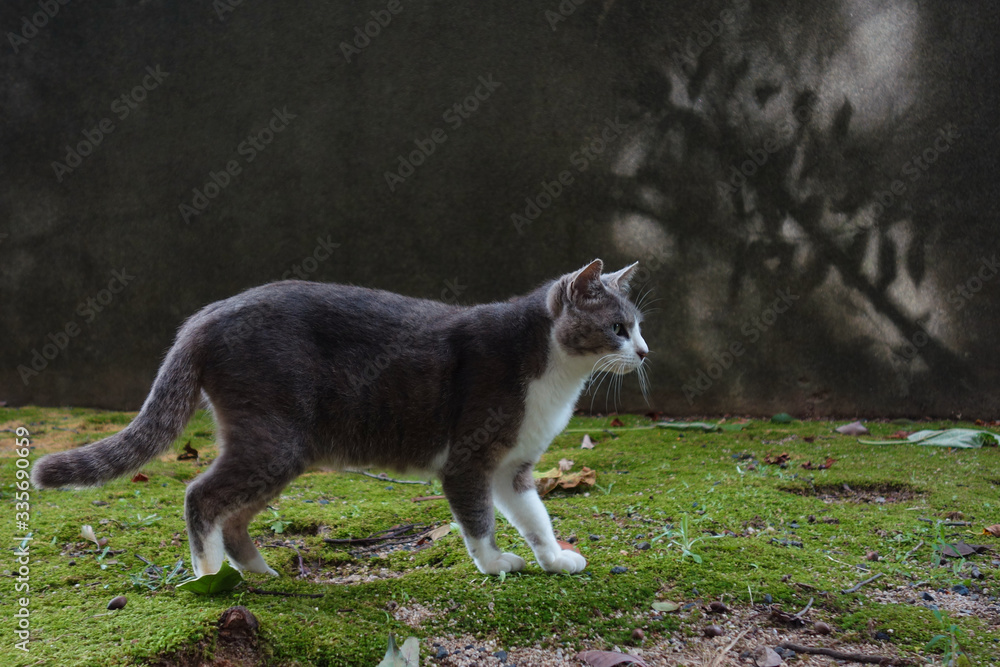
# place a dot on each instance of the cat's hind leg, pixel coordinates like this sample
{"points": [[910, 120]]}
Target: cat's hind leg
{"points": [[515, 494], [240, 549], [222, 501], [470, 501]]}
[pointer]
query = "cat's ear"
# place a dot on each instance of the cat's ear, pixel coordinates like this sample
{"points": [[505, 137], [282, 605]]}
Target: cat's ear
{"points": [[619, 280], [576, 288], [585, 284]]}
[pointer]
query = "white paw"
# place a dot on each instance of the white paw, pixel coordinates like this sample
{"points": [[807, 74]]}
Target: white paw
{"points": [[566, 561], [505, 562]]}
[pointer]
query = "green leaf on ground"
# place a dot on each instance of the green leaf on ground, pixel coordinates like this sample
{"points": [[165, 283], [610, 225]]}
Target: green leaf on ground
{"points": [[226, 579]]}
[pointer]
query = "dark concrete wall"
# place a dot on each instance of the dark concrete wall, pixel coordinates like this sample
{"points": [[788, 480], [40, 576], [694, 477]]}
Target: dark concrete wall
{"points": [[833, 103]]}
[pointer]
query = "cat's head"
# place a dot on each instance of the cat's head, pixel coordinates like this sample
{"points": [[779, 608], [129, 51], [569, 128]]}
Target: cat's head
{"points": [[594, 318]]}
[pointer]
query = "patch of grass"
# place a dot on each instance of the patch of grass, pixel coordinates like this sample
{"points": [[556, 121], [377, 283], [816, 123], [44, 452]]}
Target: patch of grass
{"points": [[758, 529]]}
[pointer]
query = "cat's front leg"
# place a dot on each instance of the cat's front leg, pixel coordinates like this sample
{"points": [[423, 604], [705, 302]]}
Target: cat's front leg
{"points": [[515, 495], [471, 504]]}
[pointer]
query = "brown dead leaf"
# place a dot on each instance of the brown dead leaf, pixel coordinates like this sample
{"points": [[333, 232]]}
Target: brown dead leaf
{"points": [[961, 549], [899, 435], [189, 453], [139, 477], [439, 532], [585, 477], [823, 466], [554, 478], [566, 465], [609, 659], [765, 656], [587, 443], [777, 459], [616, 423], [993, 530], [567, 545], [954, 516]]}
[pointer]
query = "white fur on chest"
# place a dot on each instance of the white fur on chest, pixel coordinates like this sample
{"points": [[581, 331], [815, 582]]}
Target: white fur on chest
{"points": [[549, 404]]}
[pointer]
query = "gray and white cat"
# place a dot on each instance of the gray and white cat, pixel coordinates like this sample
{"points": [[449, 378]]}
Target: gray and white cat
{"points": [[300, 374]]}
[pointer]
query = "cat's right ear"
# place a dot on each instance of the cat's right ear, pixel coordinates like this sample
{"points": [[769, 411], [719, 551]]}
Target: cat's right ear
{"points": [[577, 288]]}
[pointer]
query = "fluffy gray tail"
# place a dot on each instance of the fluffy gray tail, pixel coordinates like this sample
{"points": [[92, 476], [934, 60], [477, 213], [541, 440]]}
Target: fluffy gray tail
{"points": [[166, 412]]}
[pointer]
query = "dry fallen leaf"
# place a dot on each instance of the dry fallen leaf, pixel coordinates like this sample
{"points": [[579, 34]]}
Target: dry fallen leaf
{"points": [[854, 428], [567, 545], [609, 659], [777, 459], [551, 479], [439, 532], [766, 657], [87, 532], [616, 423], [139, 477], [993, 530], [566, 465], [587, 442]]}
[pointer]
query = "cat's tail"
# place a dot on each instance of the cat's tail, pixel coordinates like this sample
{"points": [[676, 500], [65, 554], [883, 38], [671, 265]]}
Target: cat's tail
{"points": [[167, 410]]}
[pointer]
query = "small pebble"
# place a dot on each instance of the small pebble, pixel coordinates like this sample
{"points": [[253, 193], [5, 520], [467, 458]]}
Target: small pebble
{"points": [[927, 596], [714, 631], [98, 503], [718, 607], [324, 501], [872, 555], [638, 635], [642, 546], [768, 599], [501, 656], [961, 589], [388, 488], [118, 602], [618, 569], [594, 538], [821, 628], [572, 539], [441, 653], [882, 635], [103, 542]]}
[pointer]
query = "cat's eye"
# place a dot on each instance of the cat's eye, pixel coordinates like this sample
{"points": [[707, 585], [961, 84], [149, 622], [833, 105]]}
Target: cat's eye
{"points": [[619, 329]]}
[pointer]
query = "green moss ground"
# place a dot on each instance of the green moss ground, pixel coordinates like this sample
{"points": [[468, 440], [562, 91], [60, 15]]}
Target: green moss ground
{"points": [[648, 479]]}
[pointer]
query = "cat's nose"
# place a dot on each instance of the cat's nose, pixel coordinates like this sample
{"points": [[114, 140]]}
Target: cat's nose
{"points": [[642, 354]]}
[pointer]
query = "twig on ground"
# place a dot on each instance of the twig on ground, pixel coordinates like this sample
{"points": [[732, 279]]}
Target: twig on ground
{"points": [[385, 478], [405, 533], [420, 499], [801, 613], [283, 594], [856, 587], [851, 657], [716, 661], [911, 551]]}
